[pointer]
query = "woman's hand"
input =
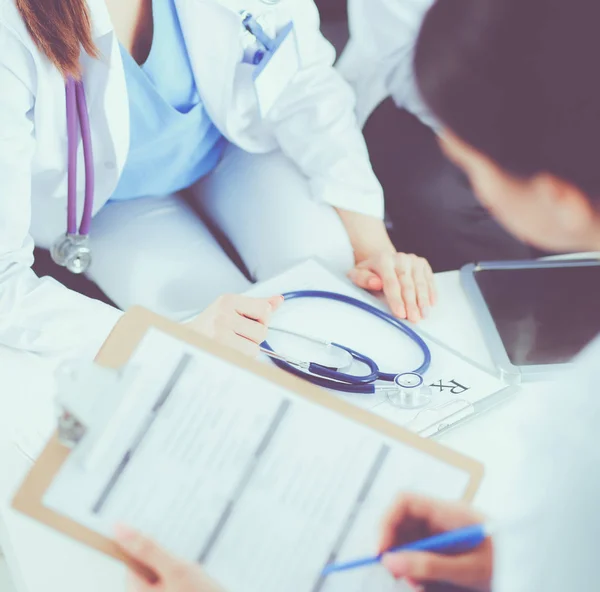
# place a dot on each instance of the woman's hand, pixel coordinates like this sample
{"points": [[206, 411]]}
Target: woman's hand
{"points": [[171, 574], [406, 280], [413, 518], [239, 322]]}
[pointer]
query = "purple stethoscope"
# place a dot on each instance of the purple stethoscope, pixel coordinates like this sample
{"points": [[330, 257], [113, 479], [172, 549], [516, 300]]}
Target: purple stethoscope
{"points": [[73, 250]]}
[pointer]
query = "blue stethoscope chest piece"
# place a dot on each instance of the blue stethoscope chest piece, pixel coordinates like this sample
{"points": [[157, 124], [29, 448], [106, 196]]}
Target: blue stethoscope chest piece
{"points": [[336, 361]]}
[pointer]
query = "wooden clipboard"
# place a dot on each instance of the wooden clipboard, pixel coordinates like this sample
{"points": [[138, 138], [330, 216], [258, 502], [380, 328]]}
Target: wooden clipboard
{"points": [[117, 351]]}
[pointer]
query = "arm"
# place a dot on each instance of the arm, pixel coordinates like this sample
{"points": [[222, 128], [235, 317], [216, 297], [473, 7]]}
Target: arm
{"points": [[377, 61], [315, 124], [41, 315], [38, 315], [368, 235]]}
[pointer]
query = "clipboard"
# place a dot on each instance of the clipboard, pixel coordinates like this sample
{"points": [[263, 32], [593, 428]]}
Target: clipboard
{"points": [[115, 354]]}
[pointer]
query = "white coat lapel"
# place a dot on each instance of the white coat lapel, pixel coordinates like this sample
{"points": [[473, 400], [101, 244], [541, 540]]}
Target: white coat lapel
{"points": [[213, 35], [108, 102], [216, 42]]}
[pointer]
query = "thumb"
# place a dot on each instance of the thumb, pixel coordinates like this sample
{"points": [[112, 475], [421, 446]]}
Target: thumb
{"points": [[276, 302], [365, 279], [153, 560], [424, 567]]}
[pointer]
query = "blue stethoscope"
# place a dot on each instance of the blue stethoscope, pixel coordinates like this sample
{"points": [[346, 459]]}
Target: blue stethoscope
{"points": [[337, 377]]}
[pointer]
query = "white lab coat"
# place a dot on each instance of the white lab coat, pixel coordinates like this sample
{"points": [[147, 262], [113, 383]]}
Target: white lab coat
{"points": [[548, 523], [313, 123], [378, 61]]}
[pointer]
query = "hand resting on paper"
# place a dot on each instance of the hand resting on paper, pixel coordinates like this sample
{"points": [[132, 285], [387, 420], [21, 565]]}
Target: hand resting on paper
{"points": [[413, 518], [407, 282], [239, 322], [172, 574]]}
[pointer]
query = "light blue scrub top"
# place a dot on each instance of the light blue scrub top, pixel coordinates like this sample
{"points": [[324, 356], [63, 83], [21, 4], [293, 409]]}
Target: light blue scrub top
{"points": [[173, 141]]}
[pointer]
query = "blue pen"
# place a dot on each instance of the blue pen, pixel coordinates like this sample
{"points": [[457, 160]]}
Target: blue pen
{"points": [[455, 541], [253, 26]]}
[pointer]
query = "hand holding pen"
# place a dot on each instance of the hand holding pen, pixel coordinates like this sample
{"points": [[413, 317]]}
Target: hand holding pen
{"points": [[453, 547]]}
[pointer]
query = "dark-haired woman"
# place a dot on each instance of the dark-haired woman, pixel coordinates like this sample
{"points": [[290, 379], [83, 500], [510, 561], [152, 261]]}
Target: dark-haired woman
{"points": [[515, 84], [236, 102]]}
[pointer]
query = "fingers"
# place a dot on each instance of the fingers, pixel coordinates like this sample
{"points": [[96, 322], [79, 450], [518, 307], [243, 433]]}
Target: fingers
{"points": [[276, 302], [406, 280], [239, 322], [415, 514], [386, 270], [424, 286], [428, 567], [241, 344], [147, 553], [421, 288], [392, 521], [137, 582], [434, 516], [433, 296], [259, 309], [252, 330], [366, 279], [405, 267]]}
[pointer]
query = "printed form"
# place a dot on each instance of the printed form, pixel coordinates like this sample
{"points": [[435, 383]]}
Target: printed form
{"points": [[260, 485]]}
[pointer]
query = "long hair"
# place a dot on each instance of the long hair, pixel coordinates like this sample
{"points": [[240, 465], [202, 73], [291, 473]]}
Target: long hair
{"points": [[60, 29]]}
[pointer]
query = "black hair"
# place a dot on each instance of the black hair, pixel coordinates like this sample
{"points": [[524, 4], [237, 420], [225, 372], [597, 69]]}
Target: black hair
{"points": [[519, 80]]}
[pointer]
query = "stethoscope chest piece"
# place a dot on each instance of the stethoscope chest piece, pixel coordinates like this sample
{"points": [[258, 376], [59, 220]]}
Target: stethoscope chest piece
{"points": [[410, 392], [73, 252]]}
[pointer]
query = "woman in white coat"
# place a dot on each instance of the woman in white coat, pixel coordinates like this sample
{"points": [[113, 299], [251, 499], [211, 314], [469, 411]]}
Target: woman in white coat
{"points": [[277, 165]]}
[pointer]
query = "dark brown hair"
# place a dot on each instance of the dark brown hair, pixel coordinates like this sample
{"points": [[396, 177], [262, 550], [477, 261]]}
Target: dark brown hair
{"points": [[518, 80], [60, 29]]}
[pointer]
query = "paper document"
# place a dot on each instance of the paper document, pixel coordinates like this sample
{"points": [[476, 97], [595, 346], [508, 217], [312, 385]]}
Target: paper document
{"points": [[259, 484], [457, 384]]}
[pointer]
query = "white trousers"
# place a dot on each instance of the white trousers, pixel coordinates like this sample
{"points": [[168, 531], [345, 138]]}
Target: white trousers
{"points": [[159, 253]]}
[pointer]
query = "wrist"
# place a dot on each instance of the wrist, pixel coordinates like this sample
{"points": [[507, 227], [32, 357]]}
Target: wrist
{"points": [[379, 244], [368, 235], [369, 252]]}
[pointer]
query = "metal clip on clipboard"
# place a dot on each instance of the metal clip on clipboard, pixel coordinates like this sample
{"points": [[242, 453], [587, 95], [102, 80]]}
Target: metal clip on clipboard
{"points": [[92, 403]]}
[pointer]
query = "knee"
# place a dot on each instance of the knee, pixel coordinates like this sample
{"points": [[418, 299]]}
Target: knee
{"points": [[323, 237]]}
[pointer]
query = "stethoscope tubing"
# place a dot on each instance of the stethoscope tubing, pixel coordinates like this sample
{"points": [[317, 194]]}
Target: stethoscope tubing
{"points": [[332, 379], [78, 121], [328, 383]]}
